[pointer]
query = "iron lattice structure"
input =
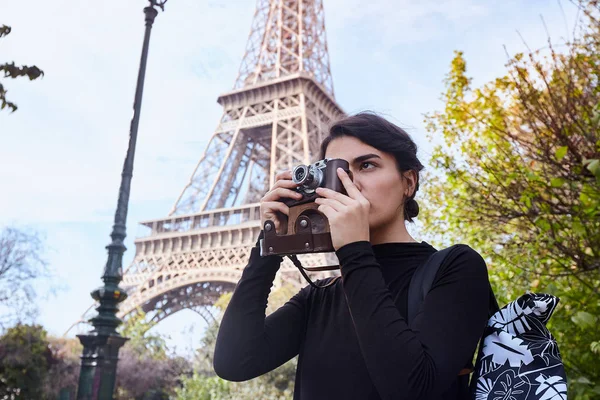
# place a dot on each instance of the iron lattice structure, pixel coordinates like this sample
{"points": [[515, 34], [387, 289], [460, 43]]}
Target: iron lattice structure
{"points": [[273, 119]]}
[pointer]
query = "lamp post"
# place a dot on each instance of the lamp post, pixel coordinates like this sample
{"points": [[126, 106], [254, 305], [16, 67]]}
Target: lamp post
{"points": [[101, 346]]}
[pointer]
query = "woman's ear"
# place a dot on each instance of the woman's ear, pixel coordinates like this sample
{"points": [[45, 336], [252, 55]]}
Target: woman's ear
{"points": [[410, 177]]}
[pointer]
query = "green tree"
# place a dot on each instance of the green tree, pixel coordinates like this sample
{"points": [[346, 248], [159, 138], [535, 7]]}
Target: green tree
{"points": [[202, 387], [517, 176], [275, 385], [146, 370], [140, 340], [13, 71], [25, 360], [63, 375], [34, 365]]}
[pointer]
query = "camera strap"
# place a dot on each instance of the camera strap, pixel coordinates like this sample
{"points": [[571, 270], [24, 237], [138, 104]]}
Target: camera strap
{"points": [[303, 270]]}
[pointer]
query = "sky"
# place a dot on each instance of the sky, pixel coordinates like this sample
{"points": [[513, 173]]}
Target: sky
{"points": [[62, 152]]}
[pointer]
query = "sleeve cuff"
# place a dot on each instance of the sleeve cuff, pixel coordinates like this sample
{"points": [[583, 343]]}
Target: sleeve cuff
{"points": [[350, 250], [261, 235]]}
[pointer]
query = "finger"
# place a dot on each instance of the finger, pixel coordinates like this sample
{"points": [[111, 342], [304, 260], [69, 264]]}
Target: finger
{"points": [[276, 206], [327, 211], [332, 194], [333, 203], [287, 183], [280, 193], [350, 187], [283, 175]]}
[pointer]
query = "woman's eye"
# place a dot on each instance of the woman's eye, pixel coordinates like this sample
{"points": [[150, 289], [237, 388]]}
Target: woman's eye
{"points": [[366, 165]]}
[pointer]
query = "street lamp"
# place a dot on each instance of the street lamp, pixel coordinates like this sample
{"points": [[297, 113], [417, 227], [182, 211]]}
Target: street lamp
{"points": [[101, 346]]}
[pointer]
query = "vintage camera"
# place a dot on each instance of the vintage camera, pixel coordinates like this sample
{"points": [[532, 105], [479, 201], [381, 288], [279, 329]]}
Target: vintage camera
{"points": [[307, 230], [320, 174]]}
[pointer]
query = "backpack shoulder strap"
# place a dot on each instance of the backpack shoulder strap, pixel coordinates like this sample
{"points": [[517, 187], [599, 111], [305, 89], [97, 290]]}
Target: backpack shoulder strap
{"points": [[422, 279]]}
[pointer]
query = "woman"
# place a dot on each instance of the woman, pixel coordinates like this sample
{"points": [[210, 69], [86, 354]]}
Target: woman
{"points": [[352, 338]]}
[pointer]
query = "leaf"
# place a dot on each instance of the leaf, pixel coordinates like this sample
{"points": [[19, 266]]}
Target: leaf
{"points": [[579, 228], [525, 199], [557, 182], [504, 347], [4, 30], [553, 387], [584, 319], [560, 152], [484, 388], [584, 380], [510, 318], [543, 224], [593, 166]]}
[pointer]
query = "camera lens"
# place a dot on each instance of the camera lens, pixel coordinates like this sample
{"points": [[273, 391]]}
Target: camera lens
{"points": [[308, 177], [300, 174]]}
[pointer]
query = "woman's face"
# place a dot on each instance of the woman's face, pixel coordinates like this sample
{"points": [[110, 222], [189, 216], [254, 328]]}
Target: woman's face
{"points": [[375, 174]]}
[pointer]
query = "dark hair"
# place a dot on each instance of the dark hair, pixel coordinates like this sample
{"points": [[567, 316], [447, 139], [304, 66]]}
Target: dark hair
{"points": [[383, 135]]}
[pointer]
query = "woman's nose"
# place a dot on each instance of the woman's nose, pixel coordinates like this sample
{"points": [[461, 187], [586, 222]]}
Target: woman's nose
{"points": [[355, 180]]}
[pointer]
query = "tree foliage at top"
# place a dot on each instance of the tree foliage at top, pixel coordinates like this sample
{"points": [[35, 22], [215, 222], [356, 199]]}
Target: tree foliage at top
{"points": [[519, 180], [13, 71]]}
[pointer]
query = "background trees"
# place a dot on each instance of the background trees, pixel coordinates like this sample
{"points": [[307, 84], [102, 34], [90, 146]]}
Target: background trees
{"points": [[21, 263], [517, 176], [146, 369], [275, 385], [34, 366]]}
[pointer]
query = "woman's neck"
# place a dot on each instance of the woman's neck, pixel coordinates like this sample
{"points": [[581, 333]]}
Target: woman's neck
{"points": [[393, 232]]}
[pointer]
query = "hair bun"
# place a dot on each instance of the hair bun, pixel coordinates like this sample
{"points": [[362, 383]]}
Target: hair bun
{"points": [[411, 209]]}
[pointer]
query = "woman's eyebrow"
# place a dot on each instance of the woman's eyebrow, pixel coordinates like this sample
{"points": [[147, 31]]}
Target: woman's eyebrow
{"points": [[365, 157]]}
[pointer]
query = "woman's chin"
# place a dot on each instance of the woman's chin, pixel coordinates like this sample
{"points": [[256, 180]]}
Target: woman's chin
{"points": [[381, 224]]}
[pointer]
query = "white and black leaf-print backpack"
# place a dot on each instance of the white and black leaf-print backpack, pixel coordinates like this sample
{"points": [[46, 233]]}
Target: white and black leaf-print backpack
{"points": [[518, 357]]}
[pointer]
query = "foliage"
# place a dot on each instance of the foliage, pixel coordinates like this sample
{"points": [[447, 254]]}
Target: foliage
{"points": [[21, 263], [64, 373], [141, 341], [214, 388], [142, 377], [518, 178], [201, 387], [275, 385], [35, 366], [12, 71], [25, 360], [146, 371]]}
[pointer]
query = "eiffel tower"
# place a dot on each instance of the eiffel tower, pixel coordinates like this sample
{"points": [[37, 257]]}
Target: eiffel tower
{"points": [[274, 118]]}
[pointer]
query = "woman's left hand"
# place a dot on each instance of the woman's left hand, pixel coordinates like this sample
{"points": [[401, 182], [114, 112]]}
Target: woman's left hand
{"points": [[348, 215]]}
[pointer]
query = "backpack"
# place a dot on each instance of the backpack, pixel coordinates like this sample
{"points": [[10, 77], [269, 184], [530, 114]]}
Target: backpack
{"points": [[518, 357]]}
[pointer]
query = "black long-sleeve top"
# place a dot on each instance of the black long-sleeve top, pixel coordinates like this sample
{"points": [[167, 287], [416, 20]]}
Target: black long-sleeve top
{"points": [[352, 338]]}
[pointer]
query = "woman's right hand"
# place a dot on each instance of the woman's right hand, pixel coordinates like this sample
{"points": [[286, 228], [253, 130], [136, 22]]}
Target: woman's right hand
{"points": [[271, 204]]}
